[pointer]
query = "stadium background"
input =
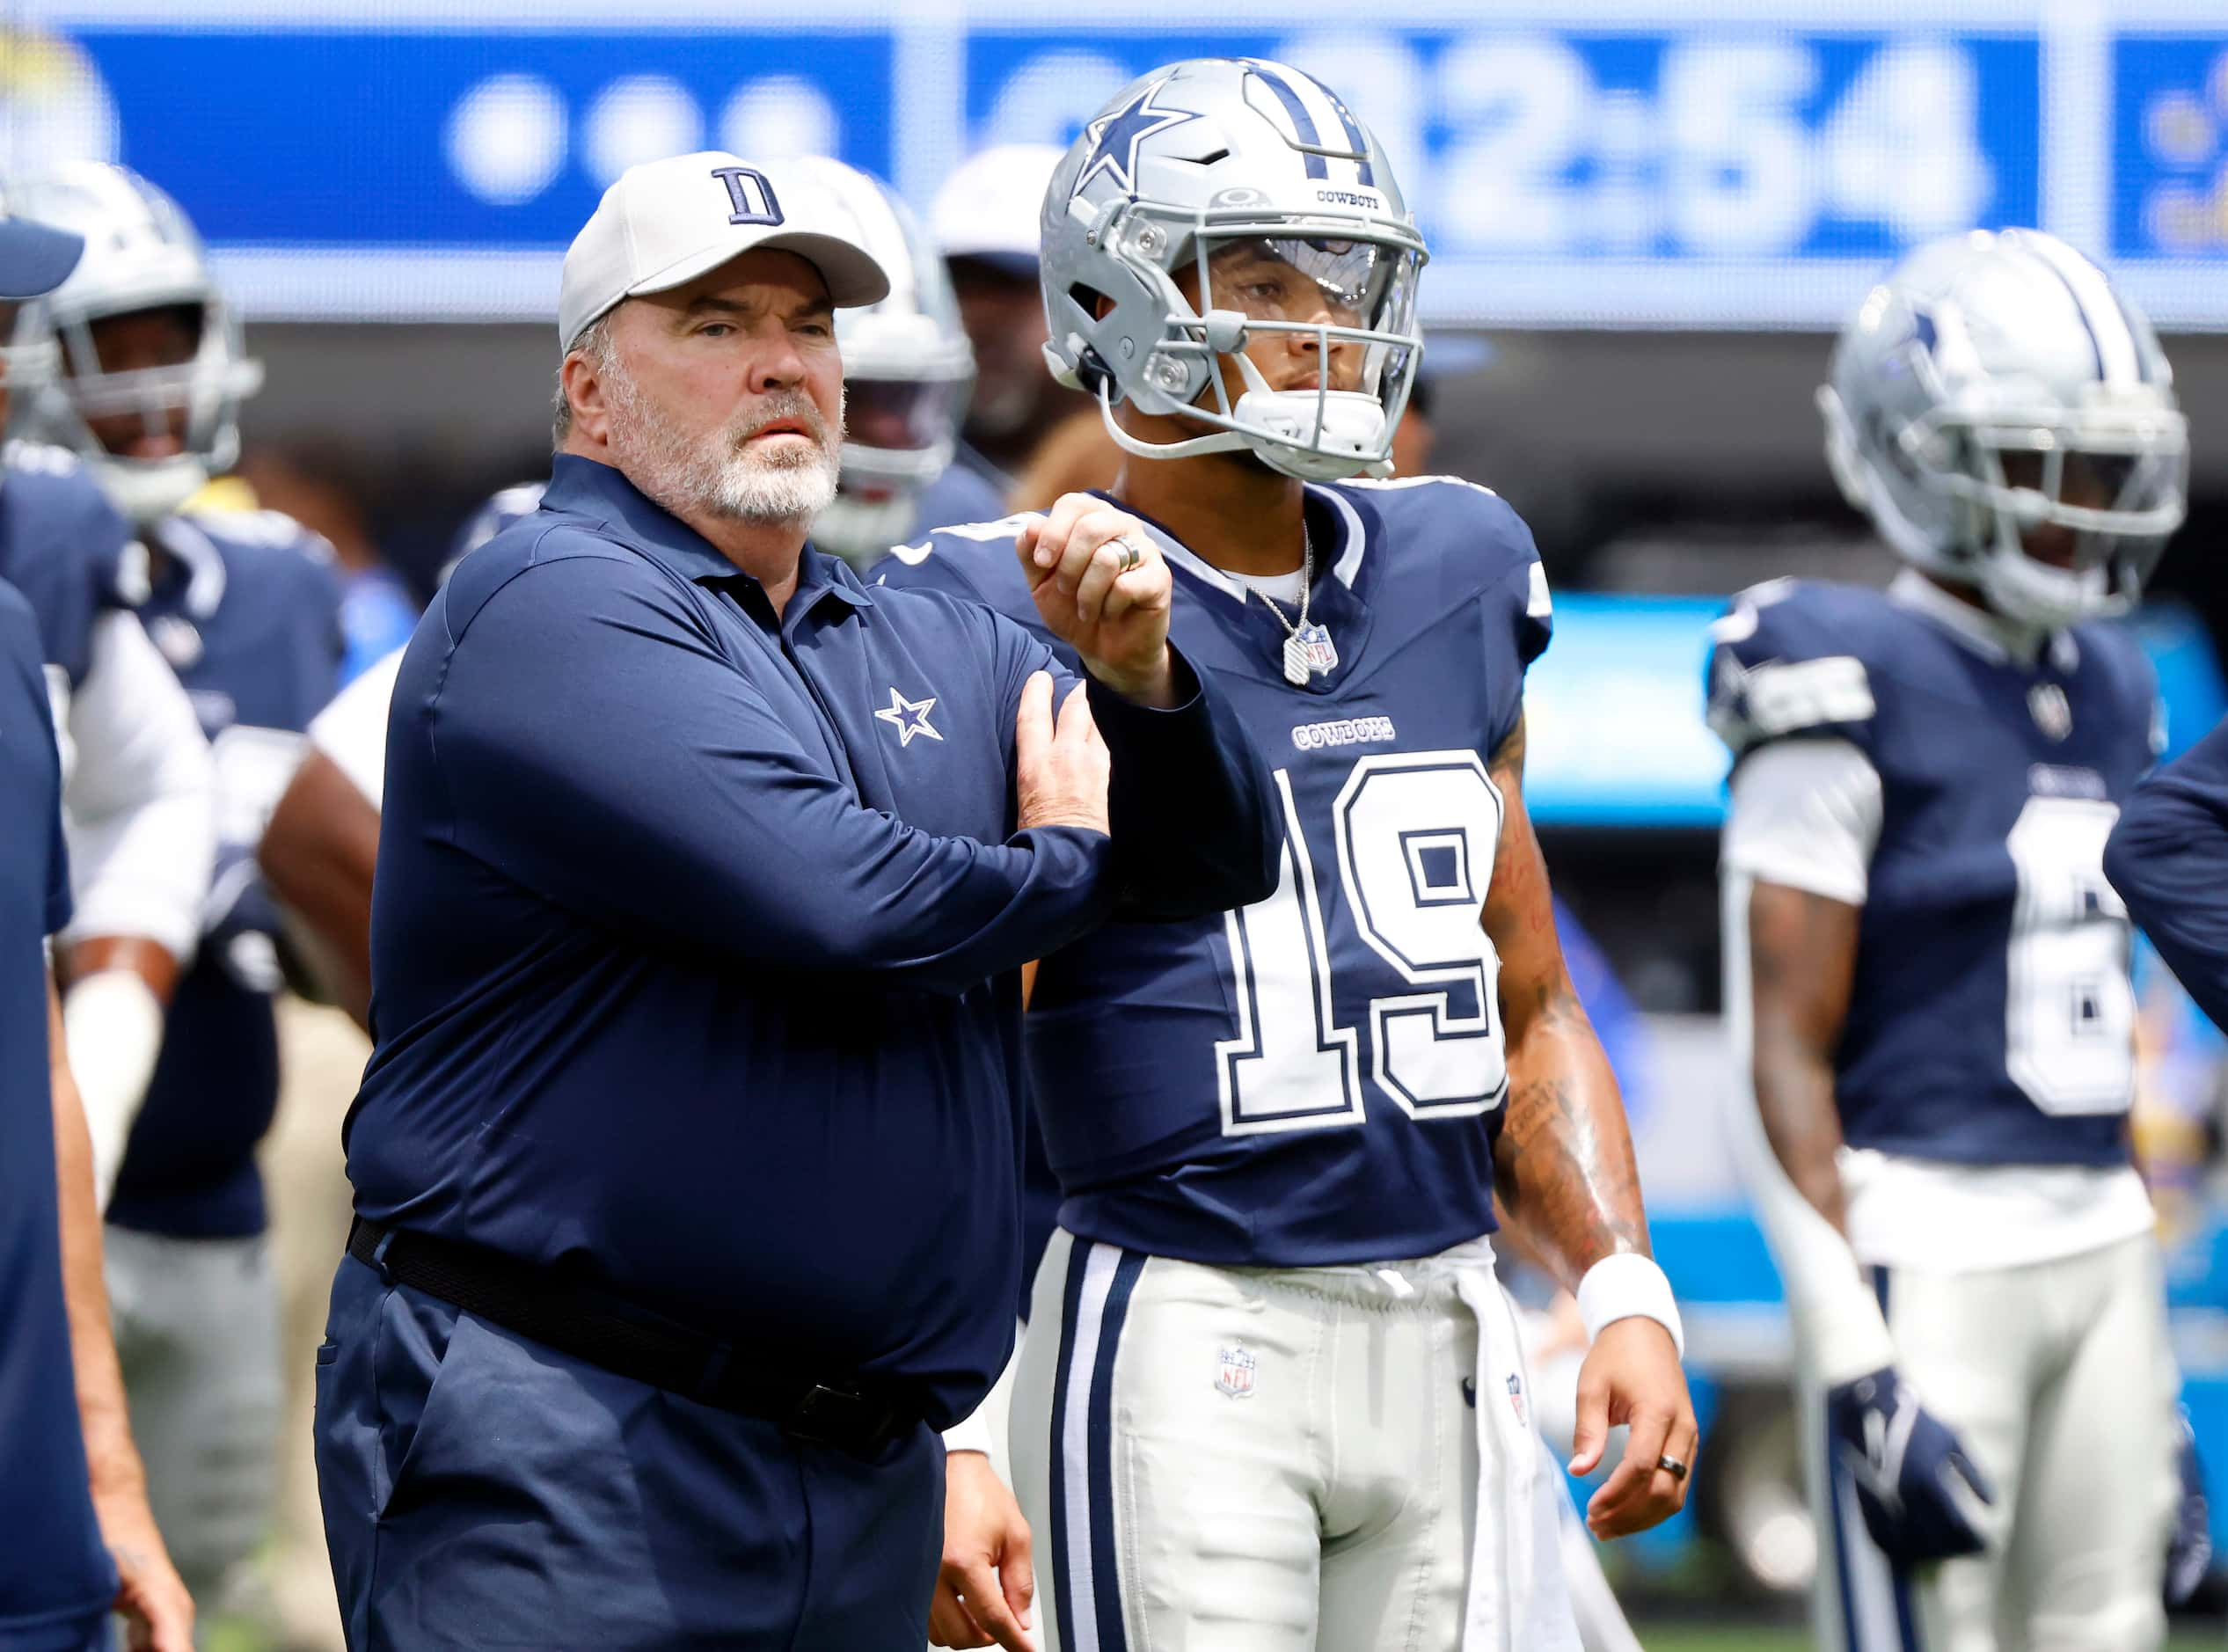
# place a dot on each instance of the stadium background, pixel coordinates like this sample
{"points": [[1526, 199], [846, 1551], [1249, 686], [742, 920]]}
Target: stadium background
{"points": [[1646, 218]]}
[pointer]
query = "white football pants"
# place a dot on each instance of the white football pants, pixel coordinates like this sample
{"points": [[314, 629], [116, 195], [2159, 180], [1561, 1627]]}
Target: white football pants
{"points": [[2058, 1378], [1280, 1460], [197, 1334]]}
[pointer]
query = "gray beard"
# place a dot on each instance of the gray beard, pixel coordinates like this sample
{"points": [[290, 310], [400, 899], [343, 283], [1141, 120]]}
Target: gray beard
{"points": [[716, 476]]}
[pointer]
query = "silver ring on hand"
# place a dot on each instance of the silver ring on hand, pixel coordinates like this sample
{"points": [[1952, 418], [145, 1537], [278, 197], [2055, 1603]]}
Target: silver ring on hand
{"points": [[1131, 555], [1672, 1466]]}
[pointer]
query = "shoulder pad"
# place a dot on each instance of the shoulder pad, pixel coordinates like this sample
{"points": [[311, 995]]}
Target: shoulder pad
{"points": [[1789, 659], [967, 544], [263, 529], [1397, 483], [1478, 533], [1005, 528]]}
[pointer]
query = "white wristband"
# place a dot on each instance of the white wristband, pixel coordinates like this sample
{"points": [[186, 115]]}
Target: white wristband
{"points": [[1628, 1286], [112, 1026]]}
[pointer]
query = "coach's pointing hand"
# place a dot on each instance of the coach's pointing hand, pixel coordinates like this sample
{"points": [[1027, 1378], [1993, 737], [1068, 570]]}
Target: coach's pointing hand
{"points": [[1102, 587]]}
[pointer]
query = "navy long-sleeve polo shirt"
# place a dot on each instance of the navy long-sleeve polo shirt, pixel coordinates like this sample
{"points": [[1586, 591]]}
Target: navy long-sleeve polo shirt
{"points": [[694, 932], [2169, 858]]}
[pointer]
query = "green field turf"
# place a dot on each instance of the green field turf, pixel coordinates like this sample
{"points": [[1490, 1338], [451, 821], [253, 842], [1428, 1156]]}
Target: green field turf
{"points": [[1699, 1638]]}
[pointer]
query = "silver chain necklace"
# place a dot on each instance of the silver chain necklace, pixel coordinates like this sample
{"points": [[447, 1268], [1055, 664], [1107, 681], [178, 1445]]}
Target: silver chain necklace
{"points": [[1308, 648]]}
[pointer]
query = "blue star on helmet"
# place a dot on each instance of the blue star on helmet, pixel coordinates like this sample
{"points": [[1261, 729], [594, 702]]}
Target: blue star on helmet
{"points": [[1114, 138]]}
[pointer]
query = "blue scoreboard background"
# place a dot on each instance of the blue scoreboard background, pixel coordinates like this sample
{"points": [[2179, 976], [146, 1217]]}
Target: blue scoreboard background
{"points": [[1728, 163]]}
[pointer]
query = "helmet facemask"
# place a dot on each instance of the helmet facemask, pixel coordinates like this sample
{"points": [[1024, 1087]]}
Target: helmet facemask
{"points": [[1345, 285], [195, 402], [2107, 484]]}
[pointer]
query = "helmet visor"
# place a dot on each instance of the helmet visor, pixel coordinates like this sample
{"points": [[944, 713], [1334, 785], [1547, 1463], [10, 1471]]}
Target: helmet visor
{"points": [[1345, 307]]}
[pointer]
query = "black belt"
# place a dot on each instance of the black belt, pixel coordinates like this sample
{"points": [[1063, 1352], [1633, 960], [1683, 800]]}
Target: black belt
{"points": [[607, 1331]]}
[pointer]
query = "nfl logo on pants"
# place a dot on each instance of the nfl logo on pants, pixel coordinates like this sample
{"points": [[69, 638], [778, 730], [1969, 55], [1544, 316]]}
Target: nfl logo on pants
{"points": [[1235, 1375]]}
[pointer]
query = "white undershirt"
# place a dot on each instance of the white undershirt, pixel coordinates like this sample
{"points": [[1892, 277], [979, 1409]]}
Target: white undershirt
{"points": [[1285, 588], [352, 731], [1807, 815]]}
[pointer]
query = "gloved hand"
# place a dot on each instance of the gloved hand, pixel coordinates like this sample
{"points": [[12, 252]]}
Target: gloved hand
{"points": [[1912, 1472], [2189, 1553]]}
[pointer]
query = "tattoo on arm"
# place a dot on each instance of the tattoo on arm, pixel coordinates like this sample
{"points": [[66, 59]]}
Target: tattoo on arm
{"points": [[1563, 1168]]}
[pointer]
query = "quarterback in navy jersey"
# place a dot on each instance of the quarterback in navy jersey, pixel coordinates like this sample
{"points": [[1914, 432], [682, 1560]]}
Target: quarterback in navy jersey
{"points": [[1927, 972], [245, 607], [1277, 1131]]}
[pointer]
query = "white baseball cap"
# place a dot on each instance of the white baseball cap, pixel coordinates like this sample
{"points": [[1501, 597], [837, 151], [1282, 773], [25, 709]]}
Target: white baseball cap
{"points": [[663, 223], [990, 206]]}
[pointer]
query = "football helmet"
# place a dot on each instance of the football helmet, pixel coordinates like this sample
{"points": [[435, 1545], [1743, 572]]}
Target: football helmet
{"points": [[1256, 178], [908, 368], [1992, 383], [141, 253]]}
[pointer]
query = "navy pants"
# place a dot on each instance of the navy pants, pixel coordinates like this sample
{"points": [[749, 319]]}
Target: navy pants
{"points": [[482, 1490]]}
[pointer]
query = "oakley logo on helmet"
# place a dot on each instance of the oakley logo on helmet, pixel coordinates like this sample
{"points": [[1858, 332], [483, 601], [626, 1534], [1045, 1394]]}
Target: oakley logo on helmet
{"points": [[750, 194]]}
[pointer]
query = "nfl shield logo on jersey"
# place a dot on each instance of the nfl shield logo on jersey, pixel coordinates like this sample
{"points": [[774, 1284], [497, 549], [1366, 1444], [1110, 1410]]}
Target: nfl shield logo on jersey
{"points": [[2053, 714], [1517, 1395], [1235, 1374]]}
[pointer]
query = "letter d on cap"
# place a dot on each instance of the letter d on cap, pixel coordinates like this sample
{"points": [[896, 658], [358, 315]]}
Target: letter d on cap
{"points": [[751, 195]]}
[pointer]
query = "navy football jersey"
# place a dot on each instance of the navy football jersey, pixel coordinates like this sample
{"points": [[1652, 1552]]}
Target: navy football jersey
{"points": [[247, 610], [1318, 1078], [56, 1576], [66, 549], [1991, 1020]]}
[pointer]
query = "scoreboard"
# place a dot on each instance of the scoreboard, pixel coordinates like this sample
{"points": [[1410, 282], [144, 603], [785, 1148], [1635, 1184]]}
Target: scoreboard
{"points": [[1730, 163]]}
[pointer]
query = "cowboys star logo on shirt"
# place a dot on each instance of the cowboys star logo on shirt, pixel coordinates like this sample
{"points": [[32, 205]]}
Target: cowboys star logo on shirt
{"points": [[909, 718]]}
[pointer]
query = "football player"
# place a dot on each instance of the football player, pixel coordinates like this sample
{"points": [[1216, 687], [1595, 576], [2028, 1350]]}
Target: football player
{"points": [[985, 222], [139, 799], [907, 369], [1927, 973], [322, 840], [1280, 1132], [246, 607]]}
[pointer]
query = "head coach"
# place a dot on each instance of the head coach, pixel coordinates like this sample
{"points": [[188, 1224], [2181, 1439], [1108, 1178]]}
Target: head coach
{"points": [[684, 1162]]}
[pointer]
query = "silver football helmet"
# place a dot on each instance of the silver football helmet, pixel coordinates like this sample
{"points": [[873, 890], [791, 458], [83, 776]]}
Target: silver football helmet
{"points": [[142, 253], [908, 368], [1255, 180], [1992, 384]]}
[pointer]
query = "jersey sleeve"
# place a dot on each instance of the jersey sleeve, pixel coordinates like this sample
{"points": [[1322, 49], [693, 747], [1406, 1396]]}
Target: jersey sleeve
{"points": [[352, 729], [1806, 814], [1780, 667], [1520, 612]]}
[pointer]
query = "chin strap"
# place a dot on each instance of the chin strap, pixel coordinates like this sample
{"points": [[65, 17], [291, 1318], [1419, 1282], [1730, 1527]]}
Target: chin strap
{"points": [[1327, 467]]}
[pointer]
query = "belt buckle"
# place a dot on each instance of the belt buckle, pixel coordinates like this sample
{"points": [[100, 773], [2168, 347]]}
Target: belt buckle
{"points": [[838, 1417]]}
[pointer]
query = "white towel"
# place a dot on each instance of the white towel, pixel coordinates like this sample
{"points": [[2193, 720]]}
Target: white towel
{"points": [[1518, 1599]]}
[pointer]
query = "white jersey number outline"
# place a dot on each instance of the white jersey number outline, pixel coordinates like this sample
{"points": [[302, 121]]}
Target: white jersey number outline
{"points": [[2068, 1009], [1415, 833]]}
